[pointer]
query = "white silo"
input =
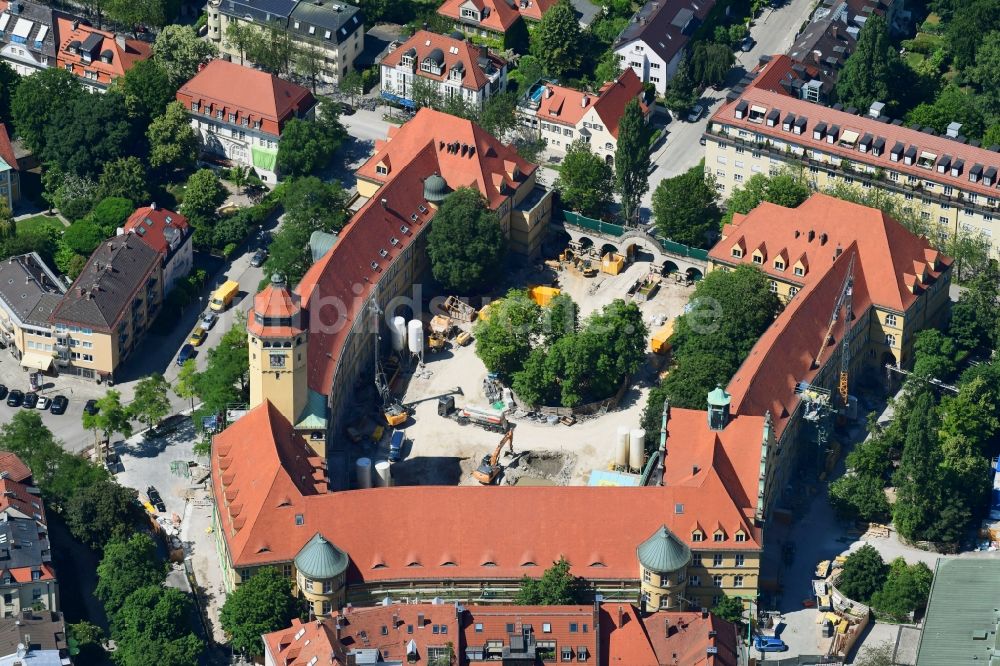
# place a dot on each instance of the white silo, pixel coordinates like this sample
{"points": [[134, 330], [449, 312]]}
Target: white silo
{"points": [[415, 336], [397, 330], [363, 470], [621, 447], [637, 447], [383, 477]]}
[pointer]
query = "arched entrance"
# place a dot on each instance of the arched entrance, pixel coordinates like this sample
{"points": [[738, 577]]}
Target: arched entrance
{"points": [[669, 267], [608, 248], [586, 243], [694, 274]]}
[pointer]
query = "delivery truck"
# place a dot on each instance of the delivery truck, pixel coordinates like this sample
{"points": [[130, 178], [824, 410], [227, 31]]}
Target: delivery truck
{"points": [[224, 295]]}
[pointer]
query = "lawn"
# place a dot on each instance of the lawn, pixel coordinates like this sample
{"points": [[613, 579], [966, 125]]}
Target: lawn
{"points": [[39, 221]]}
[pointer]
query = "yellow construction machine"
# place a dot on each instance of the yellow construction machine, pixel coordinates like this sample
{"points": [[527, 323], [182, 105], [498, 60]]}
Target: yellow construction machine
{"points": [[489, 468]]}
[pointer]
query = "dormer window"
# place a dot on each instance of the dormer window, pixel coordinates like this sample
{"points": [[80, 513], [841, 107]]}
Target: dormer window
{"points": [[819, 132], [758, 258], [910, 156], [832, 134], [779, 265], [381, 169], [406, 61], [741, 537], [926, 160], [848, 139], [469, 13], [697, 536], [799, 271], [897, 152], [975, 172], [956, 168], [757, 114], [738, 252], [741, 110], [719, 536]]}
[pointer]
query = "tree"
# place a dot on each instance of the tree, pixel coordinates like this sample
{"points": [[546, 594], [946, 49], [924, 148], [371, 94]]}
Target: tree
{"points": [[499, 114], [151, 402], [9, 80], [352, 84], [972, 22], [632, 161], [109, 214], [123, 178], [141, 12], [86, 131], [559, 318], [465, 243], [89, 640], [936, 355], [681, 91], [860, 497], [147, 90], [556, 587], [906, 590], [917, 482], [203, 193], [730, 609], [305, 148], [424, 93], [684, 207], [125, 567], [974, 316], [185, 386], [179, 51], [310, 205], [953, 104], [585, 181], [271, 49], [239, 37], [503, 339], [710, 63], [224, 380], [83, 237], [260, 605], [37, 101], [876, 655], [786, 189], [110, 418], [869, 72], [308, 62], [8, 227], [172, 141], [863, 574], [971, 254], [155, 620], [102, 512], [556, 40]]}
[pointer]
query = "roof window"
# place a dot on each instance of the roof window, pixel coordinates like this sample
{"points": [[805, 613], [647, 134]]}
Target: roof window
{"points": [[848, 139], [757, 114], [403, 228], [926, 160]]}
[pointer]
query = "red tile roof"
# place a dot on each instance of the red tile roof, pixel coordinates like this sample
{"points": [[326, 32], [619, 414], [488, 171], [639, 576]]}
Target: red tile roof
{"points": [[23, 574], [624, 637], [501, 13], [275, 301], [454, 51], [567, 106], [337, 286], [122, 54], [150, 225], [758, 94], [488, 167], [248, 93], [14, 468], [249, 475], [6, 149], [15, 495], [688, 636]]}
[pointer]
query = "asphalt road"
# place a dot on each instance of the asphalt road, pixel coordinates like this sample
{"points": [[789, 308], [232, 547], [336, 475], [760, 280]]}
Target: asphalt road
{"points": [[774, 31]]}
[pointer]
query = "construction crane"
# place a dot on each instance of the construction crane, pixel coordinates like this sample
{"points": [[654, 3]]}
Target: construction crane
{"points": [[394, 412], [489, 468], [844, 302]]}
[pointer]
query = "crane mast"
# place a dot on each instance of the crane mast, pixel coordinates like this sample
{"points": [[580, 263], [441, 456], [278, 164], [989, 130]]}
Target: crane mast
{"points": [[845, 303]]}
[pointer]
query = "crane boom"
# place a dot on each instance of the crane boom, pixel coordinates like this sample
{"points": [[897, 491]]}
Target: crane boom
{"points": [[845, 302]]}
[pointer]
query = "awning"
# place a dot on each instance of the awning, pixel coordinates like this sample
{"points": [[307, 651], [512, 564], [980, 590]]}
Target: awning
{"points": [[758, 109], [37, 361], [930, 157], [849, 137]]}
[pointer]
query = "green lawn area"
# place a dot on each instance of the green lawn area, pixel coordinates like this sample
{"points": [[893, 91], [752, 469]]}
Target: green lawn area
{"points": [[37, 221]]}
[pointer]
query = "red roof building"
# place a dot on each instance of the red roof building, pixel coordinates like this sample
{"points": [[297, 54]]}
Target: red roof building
{"points": [[497, 16], [94, 56], [169, 234]]}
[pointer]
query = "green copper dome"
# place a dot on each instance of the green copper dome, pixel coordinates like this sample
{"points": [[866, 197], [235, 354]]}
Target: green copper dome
{"points": [[719, 397], [663, 552], [319, 559], [435, 189]]}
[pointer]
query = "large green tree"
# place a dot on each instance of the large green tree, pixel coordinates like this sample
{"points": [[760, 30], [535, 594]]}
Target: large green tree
{"points": [[952, 104], [788, 189], [147, 90], [556, 587], [203, 193], [860, 497], [172, 141], [125, 567], [224, 380], [9, 80], [155, 620], [151, 402], [503, 338], [38, 100], [123, 178], [465, 243], [972, 22], [85, 131], [83, 237], [310, 205], [863, 575], [632, 161], [111, 416], [870, 72], [685, 209], [556, 40], [918, 483], [905, 591], [179, 51], [974, 316], [307, 146], [101, 512], [710, 63], [585, 181], [260, 605]]}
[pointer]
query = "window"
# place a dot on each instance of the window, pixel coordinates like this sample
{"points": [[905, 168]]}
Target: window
{"points": [[717, 580], [479, 627], [646, 576], [948, 190], [697, 536], [232, 117], [740, 559], [890, 320], [581, 653], [942, 219], [757, 259], [381, 169], [718, 536], [792, 291], [696, 559], [717, 560], [737, 252], [738, 177], [277, 360], [779, 265], [567, 654], [300, 519], [737, 581], [890, 339], [741, 537], [327, 587], [773, 287], [695, 581], [799, 271]]}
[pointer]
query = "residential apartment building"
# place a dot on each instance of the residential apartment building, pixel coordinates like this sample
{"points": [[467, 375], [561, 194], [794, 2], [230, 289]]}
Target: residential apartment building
{"points": [[463, 154], [104, 315], [170, 235], [335, 31], [28, 40], [455, 634], [656, 38], [560, 115], [96, 57], [29, 293], [27, 578], [35, 637], [10, 176], [239, 113], [947, 181], [450, 66], [493, 18]]}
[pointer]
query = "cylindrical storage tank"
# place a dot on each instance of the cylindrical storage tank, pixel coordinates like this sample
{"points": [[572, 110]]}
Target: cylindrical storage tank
{"points": [[383, 477], [621, 447], [636, 448], [415, 336], [398, 332], [363, 470]]}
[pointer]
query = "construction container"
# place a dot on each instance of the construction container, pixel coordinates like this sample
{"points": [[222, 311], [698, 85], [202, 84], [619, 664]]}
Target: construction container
{"points": [[543, 295], [383, 475], [397, 330], [659, 342], [612, 263], [363, 471], [440, 324], [415, 336], [621, 447], [636, 448]]}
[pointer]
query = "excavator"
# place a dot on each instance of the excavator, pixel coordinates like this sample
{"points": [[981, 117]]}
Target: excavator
{"points": [[489, 468]]}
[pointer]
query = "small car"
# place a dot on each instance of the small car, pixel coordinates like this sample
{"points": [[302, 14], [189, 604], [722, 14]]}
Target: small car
{"points": [[696, 113], [15, 398], [43, 402], [747, 44], [769, 644], [208, 320], [258, 258], [187, 351], [3, 391], [113, 461], [197, 337], [91, 407], [396, 445], [30, 400], [59, 404], [154, 498], [701, 141]]}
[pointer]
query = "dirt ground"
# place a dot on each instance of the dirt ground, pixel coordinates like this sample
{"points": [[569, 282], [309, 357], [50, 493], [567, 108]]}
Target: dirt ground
{"points": [[441, 451]]}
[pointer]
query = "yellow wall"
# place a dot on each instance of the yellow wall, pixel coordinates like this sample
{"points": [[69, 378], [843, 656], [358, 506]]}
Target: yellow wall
{"points": [[284, 383]]}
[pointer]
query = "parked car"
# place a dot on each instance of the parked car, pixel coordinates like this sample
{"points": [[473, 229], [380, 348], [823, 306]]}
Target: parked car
{"points": [[258, 258], [344, 109], [208, 320], [113, 462], [696, 113], [15, 398], [701, 141], [43, 402], [747, 44], [154, 498], [198, 336], [59, 405], [91, 407], [769, 644], [3, 391], [396, 445], [187, 351], [30, 400]]}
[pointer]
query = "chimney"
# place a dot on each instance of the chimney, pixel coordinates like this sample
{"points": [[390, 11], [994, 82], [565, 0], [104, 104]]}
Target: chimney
{"points": [[120, 41], [420, 620], [548, 92], [694, 469], [384, 202], [666, 627], [585, 101], [152, 205], [704, 613], [621, 616]]}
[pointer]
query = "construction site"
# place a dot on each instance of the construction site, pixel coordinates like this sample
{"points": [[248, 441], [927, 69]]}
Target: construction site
{"points": [[447, 421]]}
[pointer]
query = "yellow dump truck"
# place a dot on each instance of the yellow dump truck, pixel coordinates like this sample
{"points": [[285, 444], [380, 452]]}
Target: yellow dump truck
{"points": [[224, 295]]}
